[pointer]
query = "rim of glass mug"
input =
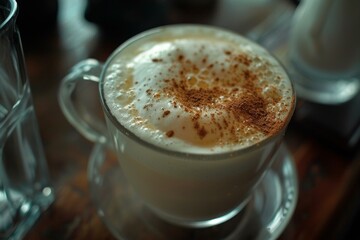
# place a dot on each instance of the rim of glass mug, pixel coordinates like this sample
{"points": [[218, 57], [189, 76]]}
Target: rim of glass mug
{"points": [[207, 156], [12, 12]]}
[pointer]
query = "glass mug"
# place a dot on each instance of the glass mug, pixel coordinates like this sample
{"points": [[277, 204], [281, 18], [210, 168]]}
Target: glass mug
{"points": [[183, 184], [324, 51], [25, 189]]}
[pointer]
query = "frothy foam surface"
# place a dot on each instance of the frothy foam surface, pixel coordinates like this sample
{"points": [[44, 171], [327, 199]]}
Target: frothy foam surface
{"points": [[198, 90]]}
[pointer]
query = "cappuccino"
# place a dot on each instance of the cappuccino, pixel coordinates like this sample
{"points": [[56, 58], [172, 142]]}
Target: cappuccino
{"points": [[195, 114], [198, 90]]}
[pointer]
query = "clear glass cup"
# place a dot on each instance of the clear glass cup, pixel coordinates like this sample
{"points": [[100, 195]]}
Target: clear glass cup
{"points": [[324, 51], [188, 189], [25, 190]]}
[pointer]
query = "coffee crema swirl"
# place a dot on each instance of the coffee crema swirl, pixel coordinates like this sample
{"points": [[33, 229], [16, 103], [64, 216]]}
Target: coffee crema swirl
{"points": [[202, 91]]}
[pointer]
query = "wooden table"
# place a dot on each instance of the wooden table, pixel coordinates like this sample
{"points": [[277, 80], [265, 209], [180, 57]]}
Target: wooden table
{"points": [[328, 178]]}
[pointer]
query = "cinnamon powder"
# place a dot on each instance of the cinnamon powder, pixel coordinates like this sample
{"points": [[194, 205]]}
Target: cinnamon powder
{"points": [[249, 108]]}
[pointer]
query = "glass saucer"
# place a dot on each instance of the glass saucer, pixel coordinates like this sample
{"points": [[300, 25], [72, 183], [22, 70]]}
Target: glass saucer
{"points": [[265, 217]]}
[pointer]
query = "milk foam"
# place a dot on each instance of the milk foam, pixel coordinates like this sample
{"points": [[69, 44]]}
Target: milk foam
{"points": [[198, 91]]}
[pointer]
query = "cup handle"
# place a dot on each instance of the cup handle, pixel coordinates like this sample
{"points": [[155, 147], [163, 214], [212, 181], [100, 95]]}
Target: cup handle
{"points": [[86, 122]]}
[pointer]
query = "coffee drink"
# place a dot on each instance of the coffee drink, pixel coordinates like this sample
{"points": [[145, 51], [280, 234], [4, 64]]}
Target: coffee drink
{"points": [[208, 107], [198, 90]]}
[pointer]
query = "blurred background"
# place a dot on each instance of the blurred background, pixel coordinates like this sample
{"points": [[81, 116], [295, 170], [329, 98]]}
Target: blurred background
{"points": [[57, 34]]}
